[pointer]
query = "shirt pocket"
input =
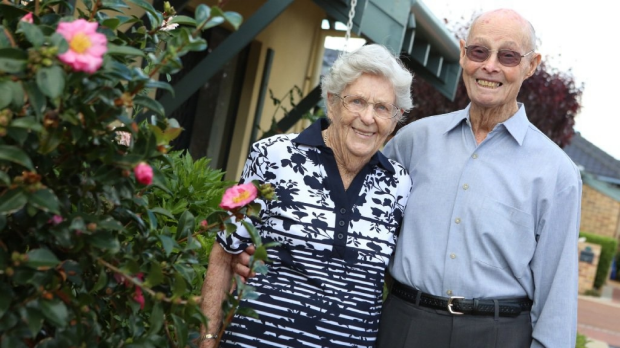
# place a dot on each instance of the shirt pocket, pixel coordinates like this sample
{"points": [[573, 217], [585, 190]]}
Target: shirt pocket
{"points": [[505, 237]]}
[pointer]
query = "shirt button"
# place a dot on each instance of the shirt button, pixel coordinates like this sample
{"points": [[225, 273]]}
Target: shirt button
{"points": [[453, 256], [449, 292], [465, 186], [341, 223], [343, 210], [474, 156], [340, 235], [457, 220]]}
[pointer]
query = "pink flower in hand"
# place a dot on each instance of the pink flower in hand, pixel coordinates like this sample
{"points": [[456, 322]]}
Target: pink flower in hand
{"points": [[143, 173], [27, 18], [86, 45], [238, 196]]}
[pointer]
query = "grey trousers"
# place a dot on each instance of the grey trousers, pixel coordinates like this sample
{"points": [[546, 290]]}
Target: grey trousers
{"points": [[403, 324]]}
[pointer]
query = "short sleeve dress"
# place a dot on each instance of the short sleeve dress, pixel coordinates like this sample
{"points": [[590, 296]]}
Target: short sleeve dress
{"points": [[325, 280]]}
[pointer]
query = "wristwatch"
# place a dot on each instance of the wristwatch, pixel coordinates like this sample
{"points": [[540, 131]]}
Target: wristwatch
{"points": [[207, 337]]}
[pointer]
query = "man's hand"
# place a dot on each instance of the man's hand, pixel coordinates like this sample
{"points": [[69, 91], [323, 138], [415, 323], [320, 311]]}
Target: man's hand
{"points": [[241, 263]]}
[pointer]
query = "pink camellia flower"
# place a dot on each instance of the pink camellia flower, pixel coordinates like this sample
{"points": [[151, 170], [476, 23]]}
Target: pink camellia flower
{"points": [[86, 45], [143, 173], [55, 220], [203, 223], [138, 296], [27, 18], [238, 196]]}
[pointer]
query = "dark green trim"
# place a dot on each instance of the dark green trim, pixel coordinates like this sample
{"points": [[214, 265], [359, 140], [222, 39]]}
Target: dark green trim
{"points": [[289, 120], [187, 86]]}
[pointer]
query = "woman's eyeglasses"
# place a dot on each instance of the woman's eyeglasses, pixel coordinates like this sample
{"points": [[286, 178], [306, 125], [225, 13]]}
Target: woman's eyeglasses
{"points": [[356, 103], [505, 57]]}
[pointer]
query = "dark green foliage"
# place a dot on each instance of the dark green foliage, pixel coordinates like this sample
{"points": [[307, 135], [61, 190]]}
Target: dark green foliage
{"points": [[609, 247], [89, 256]]}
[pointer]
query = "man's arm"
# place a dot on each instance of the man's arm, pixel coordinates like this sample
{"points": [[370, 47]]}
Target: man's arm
{"points": [[214, 289], [555, 271]]}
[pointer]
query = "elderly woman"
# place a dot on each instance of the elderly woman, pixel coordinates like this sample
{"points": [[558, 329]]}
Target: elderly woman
{"points": [[337, 216]]}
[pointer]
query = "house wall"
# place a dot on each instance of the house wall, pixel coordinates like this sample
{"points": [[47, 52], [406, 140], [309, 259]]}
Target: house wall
{"points": [[600, 214], [296, 39]]}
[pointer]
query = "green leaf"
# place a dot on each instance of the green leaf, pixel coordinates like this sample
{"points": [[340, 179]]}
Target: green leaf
{"points": [[186, 225], [4, 179], [16, 155], [184, 20], [37, 99], [17, 93], [102, 280], [117, 50], [51, 81], [12, 201], [181, 327], [155, 276], [111, 23], [260, 253], [38, 258], [32, 33], [233, 18], [213, 22], [180, 286], [13, 60], [203, 12], [167, 243], [156, 319], [4, 40], [27, 122], [110, 224], [230, 228], [49, 140], [6, 95], [162, 211], [34, 318], [150, 104], [247, 312], [55, 311], [105, 240], [59, 41], [45, 200], [253, 233], [6, 295]]}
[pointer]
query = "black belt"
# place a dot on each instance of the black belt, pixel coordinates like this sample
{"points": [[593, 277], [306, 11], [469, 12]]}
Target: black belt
{"points": [[457, 305]]}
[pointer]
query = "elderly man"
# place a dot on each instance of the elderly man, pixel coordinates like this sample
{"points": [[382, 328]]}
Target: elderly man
{"points": [[487, 255]]}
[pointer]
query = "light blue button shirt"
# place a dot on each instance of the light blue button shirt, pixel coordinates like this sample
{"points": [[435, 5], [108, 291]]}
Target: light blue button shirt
{"points": [[494, 220]]}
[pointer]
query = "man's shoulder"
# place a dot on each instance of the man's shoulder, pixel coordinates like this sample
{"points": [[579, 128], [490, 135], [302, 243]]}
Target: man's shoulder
{"points": [[539, 143], [432, 122]]}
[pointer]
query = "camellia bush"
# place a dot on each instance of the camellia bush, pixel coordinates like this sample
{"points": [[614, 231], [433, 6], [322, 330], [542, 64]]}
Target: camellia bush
{"points": [[103, 234]]}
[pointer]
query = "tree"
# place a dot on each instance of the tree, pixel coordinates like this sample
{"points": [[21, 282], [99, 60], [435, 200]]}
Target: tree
{"points": [[552, 99]]}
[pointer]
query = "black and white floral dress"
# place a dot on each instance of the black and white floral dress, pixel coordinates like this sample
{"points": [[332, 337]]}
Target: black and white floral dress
{"points": [[324, 285]]}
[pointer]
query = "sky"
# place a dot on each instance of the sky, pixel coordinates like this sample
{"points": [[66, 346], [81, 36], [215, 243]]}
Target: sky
{"points": [[575, 36]]}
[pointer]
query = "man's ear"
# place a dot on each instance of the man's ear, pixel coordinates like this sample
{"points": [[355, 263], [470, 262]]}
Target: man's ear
{"points": [[534, 63]]}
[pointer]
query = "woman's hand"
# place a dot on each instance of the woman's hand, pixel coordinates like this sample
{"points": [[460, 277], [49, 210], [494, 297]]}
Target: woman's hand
{"points": [[241, 263]]}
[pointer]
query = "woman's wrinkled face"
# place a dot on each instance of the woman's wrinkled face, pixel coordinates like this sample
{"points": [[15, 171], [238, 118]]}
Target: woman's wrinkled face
{"points": [[359, 135]]}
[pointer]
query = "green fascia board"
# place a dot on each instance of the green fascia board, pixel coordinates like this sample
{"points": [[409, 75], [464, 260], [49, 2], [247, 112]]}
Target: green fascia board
{"points": [[214, 62], [601, 186]]}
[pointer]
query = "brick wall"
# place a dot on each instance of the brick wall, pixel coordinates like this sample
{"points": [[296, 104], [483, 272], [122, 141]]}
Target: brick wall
{"points": [[600, 213]]}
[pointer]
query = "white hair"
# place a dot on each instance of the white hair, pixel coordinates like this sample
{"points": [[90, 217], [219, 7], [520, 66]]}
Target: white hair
{"points": [[369, 59]]}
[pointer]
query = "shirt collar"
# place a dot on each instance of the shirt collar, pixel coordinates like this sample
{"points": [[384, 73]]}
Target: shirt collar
{"points": [[312, 136], [516, 125]]}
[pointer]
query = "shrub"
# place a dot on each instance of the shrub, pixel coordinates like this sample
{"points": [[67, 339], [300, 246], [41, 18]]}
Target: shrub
{"points": [[609, 246], [99, 242]]}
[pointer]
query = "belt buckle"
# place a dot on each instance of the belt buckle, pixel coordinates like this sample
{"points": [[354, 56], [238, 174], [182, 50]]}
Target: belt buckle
{"points": [[450, 305]]}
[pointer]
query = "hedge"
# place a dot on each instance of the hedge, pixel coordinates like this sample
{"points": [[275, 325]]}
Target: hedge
{"points": [[609, 247]]}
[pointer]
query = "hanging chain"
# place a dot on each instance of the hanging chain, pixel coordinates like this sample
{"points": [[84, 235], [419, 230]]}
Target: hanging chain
{"points": [[347, 36]]}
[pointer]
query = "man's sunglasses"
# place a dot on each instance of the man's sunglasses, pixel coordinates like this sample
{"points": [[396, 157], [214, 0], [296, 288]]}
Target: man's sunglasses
{"points": [[505, 57]]}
